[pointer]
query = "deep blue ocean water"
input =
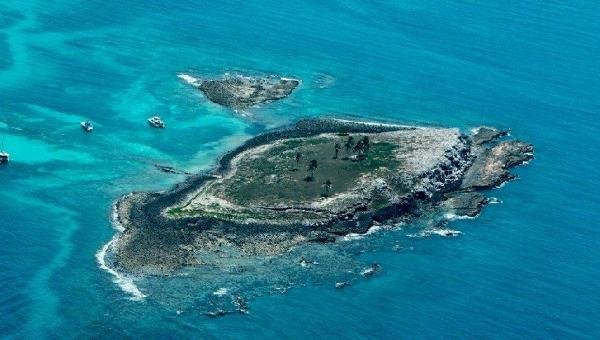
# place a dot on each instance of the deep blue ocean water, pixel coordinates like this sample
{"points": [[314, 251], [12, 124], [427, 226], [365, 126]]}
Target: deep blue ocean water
{"points": [[529, 267]]}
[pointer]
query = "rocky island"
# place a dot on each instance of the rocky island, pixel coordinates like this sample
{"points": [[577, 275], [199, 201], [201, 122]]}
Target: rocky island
{"points": [[239, 92], [314, 181]]}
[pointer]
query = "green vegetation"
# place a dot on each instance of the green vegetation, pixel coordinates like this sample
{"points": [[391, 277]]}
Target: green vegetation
{"points": [[273, 177], [176, 212], [312, 180], [327, 186], [312, 166]]}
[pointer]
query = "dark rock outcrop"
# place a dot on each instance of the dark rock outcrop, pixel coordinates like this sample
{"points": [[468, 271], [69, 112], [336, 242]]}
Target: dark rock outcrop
{"points": [[170, 170], [465, 203], [486, 134], [239, 92], [490, 168]]}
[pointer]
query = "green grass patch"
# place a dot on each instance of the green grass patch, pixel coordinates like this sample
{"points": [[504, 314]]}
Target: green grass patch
{"points": [[176, 212], [275, 176]]}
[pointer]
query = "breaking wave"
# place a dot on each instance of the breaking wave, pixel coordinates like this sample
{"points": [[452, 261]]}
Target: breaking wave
{"points": [[189, 79], [373, 229], [124, 282], [452, 217], [494, 200], [444, 232]]}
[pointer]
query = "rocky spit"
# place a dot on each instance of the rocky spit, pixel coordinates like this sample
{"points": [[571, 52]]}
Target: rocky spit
{"points": [[239, 92], [454, 181]]}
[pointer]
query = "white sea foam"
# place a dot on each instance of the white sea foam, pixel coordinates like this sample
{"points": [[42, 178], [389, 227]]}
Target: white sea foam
{"points": [[190, 79], [355, 236], [115, 218], [123, 281], [305, 263], [221, 292], [452, 217], [376, 123], [444, 232], [367, 271], [494, 200], [501, 185], [289, 79]]}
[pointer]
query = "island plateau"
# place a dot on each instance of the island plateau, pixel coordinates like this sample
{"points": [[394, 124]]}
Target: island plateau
{"points": [[314, 181]]}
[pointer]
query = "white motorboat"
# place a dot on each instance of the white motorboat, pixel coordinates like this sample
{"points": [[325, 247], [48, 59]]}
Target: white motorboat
{"points": [[4, 157], [87, 126], [156, 122]]}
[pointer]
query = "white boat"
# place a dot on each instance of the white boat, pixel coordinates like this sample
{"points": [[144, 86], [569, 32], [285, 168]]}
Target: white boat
{"points": [[4, 157], [87, 126], [156, 122]]}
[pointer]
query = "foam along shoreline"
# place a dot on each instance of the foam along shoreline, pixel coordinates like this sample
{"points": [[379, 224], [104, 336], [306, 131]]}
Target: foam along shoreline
{"points": [[447, 171], [191, 80], [122, 280], [443, 232], [367, 123]]}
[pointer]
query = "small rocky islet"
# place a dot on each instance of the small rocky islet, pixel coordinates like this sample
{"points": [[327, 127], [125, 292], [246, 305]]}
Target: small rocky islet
{"points": [[239, 92], [314, 181]]}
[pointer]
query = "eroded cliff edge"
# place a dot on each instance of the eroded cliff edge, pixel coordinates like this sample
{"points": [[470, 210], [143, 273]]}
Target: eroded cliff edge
{"points": [[312, 182]]}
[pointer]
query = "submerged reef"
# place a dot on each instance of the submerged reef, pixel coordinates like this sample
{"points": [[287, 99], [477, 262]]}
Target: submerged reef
{"points": [[315, 181]]}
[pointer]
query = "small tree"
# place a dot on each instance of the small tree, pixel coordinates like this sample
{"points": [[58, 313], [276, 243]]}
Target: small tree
{"points": [[337, 148], [366, 143], [349, 143], [327, 187], [359, 147], [298, 157], [312, 166]]}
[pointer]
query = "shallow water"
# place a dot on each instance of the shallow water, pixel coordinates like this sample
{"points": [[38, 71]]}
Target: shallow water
{"points": [[526, 267]]}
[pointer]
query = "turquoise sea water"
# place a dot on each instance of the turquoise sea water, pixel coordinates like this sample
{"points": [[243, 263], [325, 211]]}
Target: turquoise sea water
{"points": [[529, 267]]}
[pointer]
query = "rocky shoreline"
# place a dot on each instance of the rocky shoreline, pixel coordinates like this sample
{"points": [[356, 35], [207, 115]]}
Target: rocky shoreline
{"points": [[154, 243]]}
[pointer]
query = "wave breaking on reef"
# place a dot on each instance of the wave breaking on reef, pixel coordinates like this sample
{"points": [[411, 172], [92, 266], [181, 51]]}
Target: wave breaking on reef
{"points": [[190, 79], [124, 282]]}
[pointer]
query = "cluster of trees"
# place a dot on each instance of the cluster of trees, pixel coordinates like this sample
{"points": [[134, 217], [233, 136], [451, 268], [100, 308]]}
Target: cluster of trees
{"points": [[312, 166], [360, 147]]}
